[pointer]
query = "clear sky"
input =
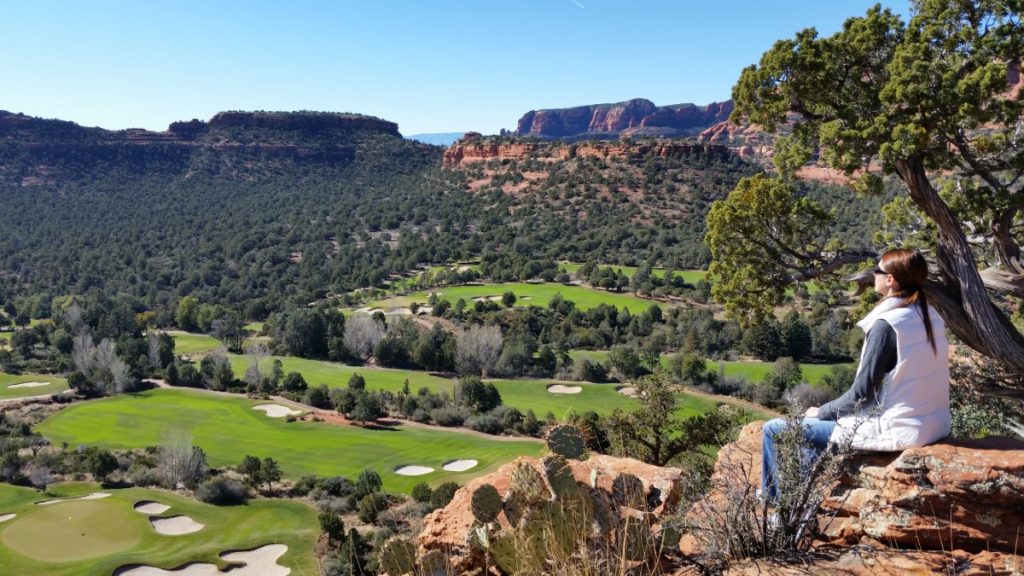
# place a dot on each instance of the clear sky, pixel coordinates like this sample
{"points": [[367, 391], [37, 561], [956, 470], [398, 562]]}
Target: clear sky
{"points": [[430, 65]]}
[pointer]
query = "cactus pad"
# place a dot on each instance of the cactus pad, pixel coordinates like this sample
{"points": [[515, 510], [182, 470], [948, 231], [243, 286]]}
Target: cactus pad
{"points": [[486, 504], [398, 557], [567, 440]]}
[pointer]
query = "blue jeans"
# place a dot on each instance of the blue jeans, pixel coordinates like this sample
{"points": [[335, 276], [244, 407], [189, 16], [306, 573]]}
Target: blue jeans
{"points": [[816, 432]]}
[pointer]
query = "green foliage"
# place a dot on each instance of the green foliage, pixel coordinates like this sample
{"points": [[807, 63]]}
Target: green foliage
{"points": [[568, 441]]}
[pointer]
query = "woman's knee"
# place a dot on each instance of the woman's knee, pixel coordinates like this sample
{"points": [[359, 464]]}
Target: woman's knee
{"points": [[773, 427]]}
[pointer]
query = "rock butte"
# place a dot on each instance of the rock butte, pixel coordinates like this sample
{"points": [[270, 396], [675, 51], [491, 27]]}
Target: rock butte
{"points": [[175, 525], [258, 562], [150, 507], [276, 410], [560, 389], [29, 385], [459, 465], [413, 470]]}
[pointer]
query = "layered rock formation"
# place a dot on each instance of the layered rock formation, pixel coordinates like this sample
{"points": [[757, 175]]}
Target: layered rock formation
{"points": [[952, 507], [637, 117], [475, 148]]}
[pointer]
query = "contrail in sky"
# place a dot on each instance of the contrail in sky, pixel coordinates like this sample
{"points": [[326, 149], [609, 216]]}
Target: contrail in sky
{"points": [[578, 3]]}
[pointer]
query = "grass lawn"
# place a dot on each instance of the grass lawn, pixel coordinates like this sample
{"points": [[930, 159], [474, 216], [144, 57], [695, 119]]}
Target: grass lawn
{"points": [[688, 276], [255, 327], [522, 394], [228, 428], [191, 343], [755, 371], [55, 384], [95, 537], [6, 336], [526, 294]]}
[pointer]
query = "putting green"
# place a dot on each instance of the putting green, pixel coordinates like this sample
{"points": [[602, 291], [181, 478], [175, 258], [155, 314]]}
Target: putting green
{"points": [[14, 385], [227, 428], [103, 535], [75, 530], [527, 294], [191, 343], [689, 276]]}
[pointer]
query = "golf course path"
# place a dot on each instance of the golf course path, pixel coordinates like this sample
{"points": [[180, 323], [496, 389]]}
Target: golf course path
{"points": [[7, 401]]}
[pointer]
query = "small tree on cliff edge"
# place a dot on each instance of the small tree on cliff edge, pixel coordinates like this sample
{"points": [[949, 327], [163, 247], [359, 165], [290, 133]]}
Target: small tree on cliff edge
{"points": [[928, 101]]}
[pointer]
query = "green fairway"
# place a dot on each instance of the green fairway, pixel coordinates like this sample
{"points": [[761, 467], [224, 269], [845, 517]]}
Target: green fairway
{"points": [[601, 398], [254, 327], [752, 370], [228, 428], [191, 343], [6, 336], [14, 385], [527, 294], [336, 375], [95, 537], [688, 276]]}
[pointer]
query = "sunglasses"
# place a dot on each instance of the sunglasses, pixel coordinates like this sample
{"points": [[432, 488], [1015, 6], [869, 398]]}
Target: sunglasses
{"points": [[878, 270]]}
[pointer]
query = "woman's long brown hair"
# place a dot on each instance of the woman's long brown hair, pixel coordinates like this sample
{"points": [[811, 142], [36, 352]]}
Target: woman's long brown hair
{"points": [[910, 270]]}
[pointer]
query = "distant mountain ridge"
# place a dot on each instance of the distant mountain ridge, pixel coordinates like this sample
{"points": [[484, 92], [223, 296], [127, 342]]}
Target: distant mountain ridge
{"points": [[638, 117]]}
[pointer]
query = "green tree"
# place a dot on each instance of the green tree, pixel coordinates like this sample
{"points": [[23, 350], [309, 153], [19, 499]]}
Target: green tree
{"points": [[927, 101], [796, 336], [251, 468], [332, 525], [270, 472], [656, 434]]}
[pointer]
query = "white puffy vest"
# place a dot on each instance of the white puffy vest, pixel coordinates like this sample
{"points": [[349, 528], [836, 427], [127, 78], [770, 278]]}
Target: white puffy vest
{"points": [[913, 405]]}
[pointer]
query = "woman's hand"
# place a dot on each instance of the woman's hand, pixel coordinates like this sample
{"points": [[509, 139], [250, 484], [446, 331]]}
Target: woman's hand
{"points": [[811, 412]]}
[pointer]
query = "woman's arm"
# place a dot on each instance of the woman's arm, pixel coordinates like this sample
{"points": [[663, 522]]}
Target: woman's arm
{"points": [[879, 359]]}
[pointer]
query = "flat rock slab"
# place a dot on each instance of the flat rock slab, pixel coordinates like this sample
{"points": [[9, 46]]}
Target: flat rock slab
{"points": [[175, 525]]}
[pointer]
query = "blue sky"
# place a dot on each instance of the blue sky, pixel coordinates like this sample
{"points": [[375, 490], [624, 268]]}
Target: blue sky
{"points": [[430, 65]]}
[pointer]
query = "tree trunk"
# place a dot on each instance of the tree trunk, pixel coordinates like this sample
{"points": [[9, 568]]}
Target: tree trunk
{"points": [[961, 298]]}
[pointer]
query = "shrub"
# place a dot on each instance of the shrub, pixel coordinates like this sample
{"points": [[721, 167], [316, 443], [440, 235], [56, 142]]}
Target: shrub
{"points": [[443, 494], [486, 423], [422, 492], [446, 416], [222, 491], [371, 506]]}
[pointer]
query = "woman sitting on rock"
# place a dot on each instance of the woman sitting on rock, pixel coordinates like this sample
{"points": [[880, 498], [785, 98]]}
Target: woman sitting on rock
{"points": [[900, 395]]}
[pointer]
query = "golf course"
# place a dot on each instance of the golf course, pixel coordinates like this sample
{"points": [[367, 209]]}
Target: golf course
{"points": [[23, 385], [228, 428], [80, 529], [527, 294]]}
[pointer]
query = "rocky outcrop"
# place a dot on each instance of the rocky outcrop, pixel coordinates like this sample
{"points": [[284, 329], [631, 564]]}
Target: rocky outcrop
{"points": [[475, 148], [446, 530], [955, 503], [637, 117]]}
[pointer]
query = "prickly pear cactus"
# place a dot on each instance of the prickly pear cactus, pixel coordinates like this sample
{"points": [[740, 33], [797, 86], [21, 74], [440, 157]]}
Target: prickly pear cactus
{"points": [[628, 491], [434, 563], [486, 504], [526, 488], [602, 514], [567, 440], [637, 543], [560, 477], [398, 557]]}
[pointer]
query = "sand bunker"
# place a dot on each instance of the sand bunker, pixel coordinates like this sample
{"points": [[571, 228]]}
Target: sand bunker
{"points": [[413, 470], [6, 517], [459, 465], [150, 507], [627, 391], [560, 389], [259, 562], [175, 525], [93, 496], [276, 410], [526, 297], [29, 385]]}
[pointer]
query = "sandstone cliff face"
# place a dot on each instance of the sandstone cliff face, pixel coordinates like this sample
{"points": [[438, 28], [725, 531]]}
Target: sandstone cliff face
{"points": [[474, 148], [952, 507], [637, 117]]}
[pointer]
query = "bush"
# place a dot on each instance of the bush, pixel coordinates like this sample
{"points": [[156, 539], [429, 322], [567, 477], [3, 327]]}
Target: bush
{"points": [[337, 486], [222, 491], [450, 417], [443, 494], [422, 492], [486, 423], [371, 506]]}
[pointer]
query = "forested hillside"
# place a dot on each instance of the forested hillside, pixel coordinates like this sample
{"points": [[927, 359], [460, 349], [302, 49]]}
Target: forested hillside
{"points": [[262, 211]]}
